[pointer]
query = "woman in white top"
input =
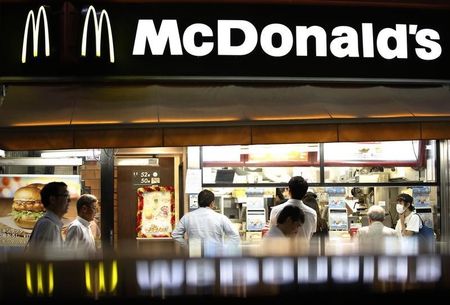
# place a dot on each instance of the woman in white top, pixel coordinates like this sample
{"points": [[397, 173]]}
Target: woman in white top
{"points": [[409, 222]]}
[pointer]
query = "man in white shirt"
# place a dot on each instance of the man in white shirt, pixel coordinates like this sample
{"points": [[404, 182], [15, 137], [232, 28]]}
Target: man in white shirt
{"points": [[297, 190], [376, 229], [376, 236], [79, 237], [204, 225], [288, 222], [47, 232]]}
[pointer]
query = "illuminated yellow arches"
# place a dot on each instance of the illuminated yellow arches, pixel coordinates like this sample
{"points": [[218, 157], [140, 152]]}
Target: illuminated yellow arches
{"points": [[35, 24], [98, 24], [39, 290], [99, 278]]}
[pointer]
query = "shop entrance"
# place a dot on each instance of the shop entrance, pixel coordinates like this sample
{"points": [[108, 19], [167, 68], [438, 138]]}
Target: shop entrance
{"points": [[147, 197]]}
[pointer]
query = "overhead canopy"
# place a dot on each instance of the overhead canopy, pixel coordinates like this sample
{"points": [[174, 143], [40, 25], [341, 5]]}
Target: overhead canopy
{"points": [[80, 116]]}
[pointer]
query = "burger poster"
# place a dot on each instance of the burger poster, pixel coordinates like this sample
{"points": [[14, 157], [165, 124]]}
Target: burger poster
{"points": [[21, 206], [156, 211]]}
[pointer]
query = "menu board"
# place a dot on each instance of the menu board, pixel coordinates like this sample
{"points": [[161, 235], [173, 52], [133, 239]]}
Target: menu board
{"points": [[256, 219], [394, 151], [9, 184], [337, 216], [155, 211]]}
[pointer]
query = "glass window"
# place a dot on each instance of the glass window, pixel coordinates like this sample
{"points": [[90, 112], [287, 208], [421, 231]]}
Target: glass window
{"points": [[380, 162], [256, 164]]}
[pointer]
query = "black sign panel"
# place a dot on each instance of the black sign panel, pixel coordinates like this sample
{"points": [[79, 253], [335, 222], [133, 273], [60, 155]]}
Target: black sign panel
{"points": [[146, 176], [224, 42]]}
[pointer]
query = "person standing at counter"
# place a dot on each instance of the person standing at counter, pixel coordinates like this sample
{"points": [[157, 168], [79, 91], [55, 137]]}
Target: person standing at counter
{"points": [[289, 220], [279, 196], [310, 200], [376, 230], [205, 225], [47, 232], [409, 222], [297, 190]]}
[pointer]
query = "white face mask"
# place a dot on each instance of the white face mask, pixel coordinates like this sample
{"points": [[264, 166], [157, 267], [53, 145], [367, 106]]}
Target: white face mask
{"points": [[400, 208]]}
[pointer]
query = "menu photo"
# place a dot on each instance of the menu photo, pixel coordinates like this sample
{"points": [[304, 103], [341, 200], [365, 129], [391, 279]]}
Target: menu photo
{"points": [[21, 206]]}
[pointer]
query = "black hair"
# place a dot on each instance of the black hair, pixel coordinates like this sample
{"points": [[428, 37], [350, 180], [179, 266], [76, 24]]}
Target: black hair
{"points": [[50, 189], [86, 199], [310, 200], [293, 212], [407, 199], [298, 187], [279, 193], [205, 198]]}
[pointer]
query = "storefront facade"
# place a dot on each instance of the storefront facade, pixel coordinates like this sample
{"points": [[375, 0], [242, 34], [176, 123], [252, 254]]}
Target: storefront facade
{"points": [[163, 77]]}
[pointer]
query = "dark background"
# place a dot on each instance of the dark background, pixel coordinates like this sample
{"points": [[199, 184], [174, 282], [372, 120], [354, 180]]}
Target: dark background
{"points": [[66, 23]]}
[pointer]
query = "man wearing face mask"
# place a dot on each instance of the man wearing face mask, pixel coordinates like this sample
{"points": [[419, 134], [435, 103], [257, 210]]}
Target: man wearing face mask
{"points": [[409, 222]]}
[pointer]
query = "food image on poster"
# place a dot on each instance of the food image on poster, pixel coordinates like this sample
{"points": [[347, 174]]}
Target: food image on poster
{"points": [[27, 207], [156, 211], [21, 206]]}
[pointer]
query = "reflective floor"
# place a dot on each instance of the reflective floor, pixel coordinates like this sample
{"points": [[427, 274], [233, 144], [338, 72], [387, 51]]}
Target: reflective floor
{"points": [[260, 273]]}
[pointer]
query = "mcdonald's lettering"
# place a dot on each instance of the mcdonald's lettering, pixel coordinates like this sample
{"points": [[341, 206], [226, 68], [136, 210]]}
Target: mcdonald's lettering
{"points": [[98, 26], [344, 42], [35, 27]]}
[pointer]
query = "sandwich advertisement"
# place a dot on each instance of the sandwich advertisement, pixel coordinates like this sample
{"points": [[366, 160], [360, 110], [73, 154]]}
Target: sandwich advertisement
{"points": [[21, 206]]}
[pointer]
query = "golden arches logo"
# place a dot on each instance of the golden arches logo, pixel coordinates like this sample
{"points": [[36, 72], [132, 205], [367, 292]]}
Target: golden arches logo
{"points": [[35, 26], [98, 25], [96, 281], [41, 274]]}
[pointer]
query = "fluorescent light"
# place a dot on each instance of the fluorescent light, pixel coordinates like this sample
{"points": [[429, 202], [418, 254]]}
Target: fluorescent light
{"points": [[137, 161], [42, 161], [88, 153]]}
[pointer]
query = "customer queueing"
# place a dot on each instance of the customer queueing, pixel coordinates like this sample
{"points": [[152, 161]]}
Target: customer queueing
{"points": [[205, 225], [409, 222], [290, 219], [297, 190], [310, 200], [79, 237], [376, 237], [47, 231]]}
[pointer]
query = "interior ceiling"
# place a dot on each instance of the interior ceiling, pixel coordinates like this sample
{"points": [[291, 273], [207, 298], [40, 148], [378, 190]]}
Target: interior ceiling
{"points": [[157, 105]]}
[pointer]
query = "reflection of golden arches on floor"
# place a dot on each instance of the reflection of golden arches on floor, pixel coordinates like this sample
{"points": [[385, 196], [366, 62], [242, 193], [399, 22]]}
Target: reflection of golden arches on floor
{"points": [[98, 274], [39, 279]]}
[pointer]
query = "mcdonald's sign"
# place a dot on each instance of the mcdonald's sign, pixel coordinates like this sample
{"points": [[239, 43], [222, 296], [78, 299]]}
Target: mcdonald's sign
{"points": [[35, 23], [98, 25], [96, 279], [43, 274], [202, 41]]}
